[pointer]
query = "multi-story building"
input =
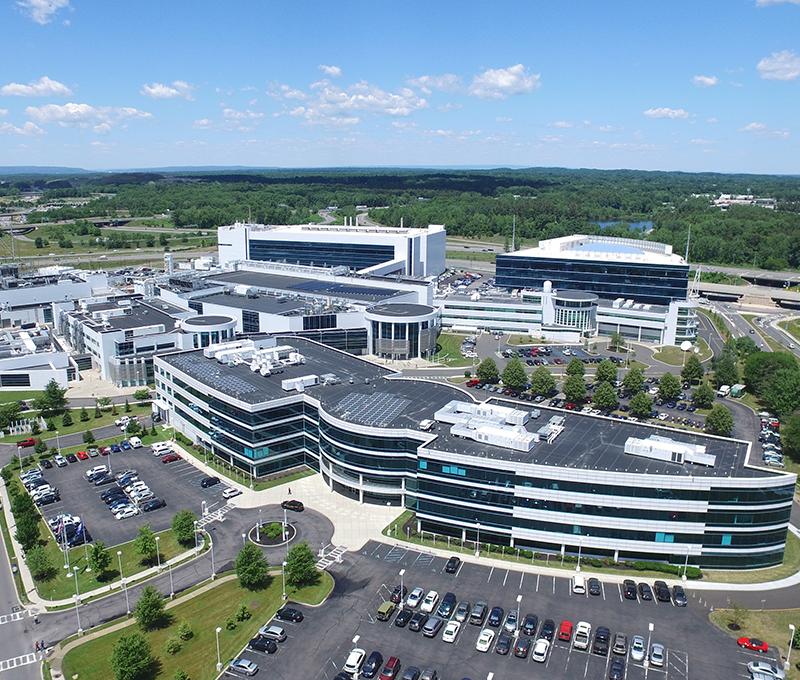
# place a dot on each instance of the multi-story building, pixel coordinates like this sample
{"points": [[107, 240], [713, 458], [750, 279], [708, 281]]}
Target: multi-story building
{"points": [[370, 250], [560, 482], [30, 357]]}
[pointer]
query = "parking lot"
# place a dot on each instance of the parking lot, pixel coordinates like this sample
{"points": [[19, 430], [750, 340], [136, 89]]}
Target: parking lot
{"points": [[318, 646], [178, 483]]}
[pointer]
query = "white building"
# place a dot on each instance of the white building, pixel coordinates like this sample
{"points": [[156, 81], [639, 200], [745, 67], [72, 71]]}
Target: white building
{"points": [[30, 358], [369, 250]]}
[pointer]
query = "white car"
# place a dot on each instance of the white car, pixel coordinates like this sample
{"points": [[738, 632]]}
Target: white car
{"points": [[230, 492], [657, 655], [135, 486], [355, 659], [485, 640], [451, 631], [37, 493], [414, 598], [96, 470], [122, 422], [429, 603], [766, 668], [637, 648], [540, 649], [126, 512], [583, 633]]}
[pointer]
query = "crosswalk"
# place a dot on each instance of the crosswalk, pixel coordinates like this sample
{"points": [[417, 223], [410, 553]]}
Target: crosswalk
{"points": [[333, 556], [17, 661], [8, 618], [215, 516]]}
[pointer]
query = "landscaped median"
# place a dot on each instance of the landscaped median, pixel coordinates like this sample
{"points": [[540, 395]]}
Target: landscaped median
{"points": [[203, 610]]}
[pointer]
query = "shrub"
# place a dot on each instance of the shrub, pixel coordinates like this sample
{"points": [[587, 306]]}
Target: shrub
{"points": [[230, 623], [185, 631], [243, 613], [173, 646]]}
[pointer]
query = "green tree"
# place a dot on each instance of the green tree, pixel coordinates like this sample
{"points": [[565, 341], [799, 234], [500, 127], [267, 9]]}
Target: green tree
{"points": [[40, 447], [692, 371], [51, 426], [88, 437], [142, 394], [542, 381], [181, 675], [790, 436], [301, 566], [97, 412], [27, 531], [163, 240], [39, 563], [719, 420], [183, 526], [66, 419], [669, 387], [605, 397], [185, 631], [9, 413], [761, 367], [617, 342], [251, 567], [84, 415], [641, 405], [745, 346], [145, 543], [38, 242], [487, 371], [149, 610], [35, 429], [574, 388], [132, 658], [133, 427], [606, 371], [725, 370], [575, 367], [127, 406], [782, 394], [514, 374], [53, 399], [703, 396], [99, 557]]}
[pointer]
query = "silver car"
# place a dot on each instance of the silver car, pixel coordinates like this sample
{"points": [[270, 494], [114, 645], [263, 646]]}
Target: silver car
{"points": [[657, 655], [638, 648]]}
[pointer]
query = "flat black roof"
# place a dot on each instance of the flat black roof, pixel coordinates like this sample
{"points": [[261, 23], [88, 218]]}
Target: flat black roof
{"points": [[208, 320], [402, 309], [268, 304]]}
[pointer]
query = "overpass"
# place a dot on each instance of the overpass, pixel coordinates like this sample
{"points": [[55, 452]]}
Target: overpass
{"points": [[763, 295], [758, 277]]}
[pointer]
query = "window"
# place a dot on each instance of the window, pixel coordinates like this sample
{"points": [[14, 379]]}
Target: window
{"points": [[251, 322], [423, 465], [355, 255], [664, 538], [15, 380], [312, 323], [726, 539], [454, 470], [196, 306]]}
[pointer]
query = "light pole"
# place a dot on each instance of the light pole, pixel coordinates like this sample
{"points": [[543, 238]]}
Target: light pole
{"points": [[77, 601], [244, 539], [580, 549], [58, 442], [19, 457], [158, 553], [650, 628], [283, 574], [213, 568], [124, 584], [218, 630], [86, 553], [685, 564], [478, 541], [519, 599], [402, 573], [258, 527], [196, 546], [791, 640], [171, 587]]}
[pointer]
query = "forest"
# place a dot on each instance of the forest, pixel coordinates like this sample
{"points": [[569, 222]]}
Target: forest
{"points": [[478, 204]]}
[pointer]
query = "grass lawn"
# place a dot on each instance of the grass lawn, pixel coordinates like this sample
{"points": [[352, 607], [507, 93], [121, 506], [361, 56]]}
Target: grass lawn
{"points": [[197, 657], [470, 255], [771, 625], [791, 564], [106, 418], [12, 558], [7, 395], [449, 350], [669, 354], [793, 327]]}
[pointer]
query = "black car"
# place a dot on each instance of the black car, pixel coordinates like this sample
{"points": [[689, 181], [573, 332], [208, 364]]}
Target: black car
{"points": [[46, 464], [153, 504], [289, 614], [645, 592], [594, 586], [628, 589], [294, 506], [209, 481], [372, 665], [529, 624], [452, 565], [80, 538], [411, 673], [403, 617], [548, 629], [496, 616], [399, 593], [601, 638], [417, 621], [47, 499], [522, 646], [616, 670], [114, 497], [262, 644], [679, 596], [72, 458], [503, 644], [662, 591], [102, 480], [446, 606]]}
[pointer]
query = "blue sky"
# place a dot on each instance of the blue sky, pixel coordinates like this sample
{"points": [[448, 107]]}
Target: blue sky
{"points": [[673, 85]]}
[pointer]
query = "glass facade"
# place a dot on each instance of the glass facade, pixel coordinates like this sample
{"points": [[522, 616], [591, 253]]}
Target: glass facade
{"points": [[653, 284], [354, 255]]}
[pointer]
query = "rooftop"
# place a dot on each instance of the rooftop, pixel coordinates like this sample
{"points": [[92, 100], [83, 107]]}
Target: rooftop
{"points": [[401, 309], [268, 304], [606, 248], [336, 228]]}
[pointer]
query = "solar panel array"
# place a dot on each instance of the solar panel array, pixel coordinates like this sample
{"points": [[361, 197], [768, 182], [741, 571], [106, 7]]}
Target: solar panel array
{"points": [[343, 289], [212, 375], [373, 408]]}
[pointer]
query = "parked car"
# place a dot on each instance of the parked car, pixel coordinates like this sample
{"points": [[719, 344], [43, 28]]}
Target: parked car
{"points": [[450, 632], [403, 617], [71, 458], [767, 669], [753, 644], [262, 644], [638, 649], [231, 492], [602, 637], [522, 646], [293, 505], [548, 629], [46, 464], [662, 591], [391, 670], [385, 611], [496, 616], [398, 594], [446, 606], [417, 621], [540, 650], [415, 597], [594, 587], [25, 443], [152, 504], [485, 640], [429, 603], [629, 589], [170, 458], [478, 613], [503, 645], [372, 665], [657, 655], [451, 567], [355, 659], [462, 612], [565, 631], [620, 645], [82, 455], [243, 667], [289, 614], [645, 592], [432, 626], [679, 596], [273, 632], [206, 482], [529, 624], [616, 670]]}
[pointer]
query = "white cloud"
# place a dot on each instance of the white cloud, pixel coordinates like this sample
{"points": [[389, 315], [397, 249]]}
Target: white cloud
{"points": [[767, 3], [764, 130], [562, 124], [42, 11], [550, 139], [699, 141], [28, 129], [705, 81], [330, 70], [44, 87], [202, 123], [446, 82], [753, 127], [450, 106], [503, 119], [783, 65], [712, 120], [247, 114], [500, 83], [99, 118], [281, 91], [177, 88], [3, 112], [665, 112]]}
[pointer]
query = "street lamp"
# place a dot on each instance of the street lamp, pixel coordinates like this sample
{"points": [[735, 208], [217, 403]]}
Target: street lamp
{"points": [[58, 442], [196, 546], [519, 599], [171, 587], [124, 584], [580, 549], [158, 553], [402, 573], [19, 457], [77, 601], [791, 640], [478, 541], [213, 568], [258, 527], [244, 539], [283, 573], [218, 630], [650, 628], [86, 553]]}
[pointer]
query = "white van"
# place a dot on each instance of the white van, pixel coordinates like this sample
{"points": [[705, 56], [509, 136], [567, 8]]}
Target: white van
{"points": [[160, 448], [579, 584], [135, 442]]}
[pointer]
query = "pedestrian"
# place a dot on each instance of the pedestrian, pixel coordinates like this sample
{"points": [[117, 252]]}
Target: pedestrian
{"points": [[42, 645], [290, 490]]}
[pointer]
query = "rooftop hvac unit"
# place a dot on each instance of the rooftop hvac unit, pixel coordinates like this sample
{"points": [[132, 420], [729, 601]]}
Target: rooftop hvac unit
{"points": [[299, 383]]}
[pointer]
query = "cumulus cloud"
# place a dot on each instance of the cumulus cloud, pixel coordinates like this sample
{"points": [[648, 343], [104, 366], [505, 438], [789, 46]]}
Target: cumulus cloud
{"points": [[99, 118], [44, 87], [764, 130], [666, 112], [27, 129], [767, 3], [42, 11], [501, 83], [705, 81], [330, 70], [783, 65], [700, 141], [202, 123], [177, 88], [3, 112], [446, 82], [247, 114], [562, 124], [282, 91]]}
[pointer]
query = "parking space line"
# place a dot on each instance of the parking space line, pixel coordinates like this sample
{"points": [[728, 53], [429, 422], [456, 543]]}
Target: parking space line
{"points": [[619, 589], [521, 576], [537, 582], [603, 589], [505, 577], [491, 571], [554, 585], [458, 571]]}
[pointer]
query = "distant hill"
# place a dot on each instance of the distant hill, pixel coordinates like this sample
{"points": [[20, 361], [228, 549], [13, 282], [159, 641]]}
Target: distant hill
{"points": [[40, 170]]}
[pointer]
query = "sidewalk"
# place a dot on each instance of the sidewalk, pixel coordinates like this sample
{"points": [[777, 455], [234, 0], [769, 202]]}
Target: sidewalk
{"points": [[36, 601]]}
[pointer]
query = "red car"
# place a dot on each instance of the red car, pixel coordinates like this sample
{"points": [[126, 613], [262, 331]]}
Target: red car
{"points": [[565, 631], [391, 671], [569, 406], [25, 443], [753, 644], [170, 458], [473, 382], [82, 455], [105, 450]]}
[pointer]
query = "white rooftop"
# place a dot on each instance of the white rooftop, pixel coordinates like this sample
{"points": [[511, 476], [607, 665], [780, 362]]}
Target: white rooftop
{"points": [[335, 228], [605, 248]]}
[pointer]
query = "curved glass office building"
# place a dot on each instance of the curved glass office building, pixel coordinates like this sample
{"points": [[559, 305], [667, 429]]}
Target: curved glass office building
{"points": [[557, 482]]}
